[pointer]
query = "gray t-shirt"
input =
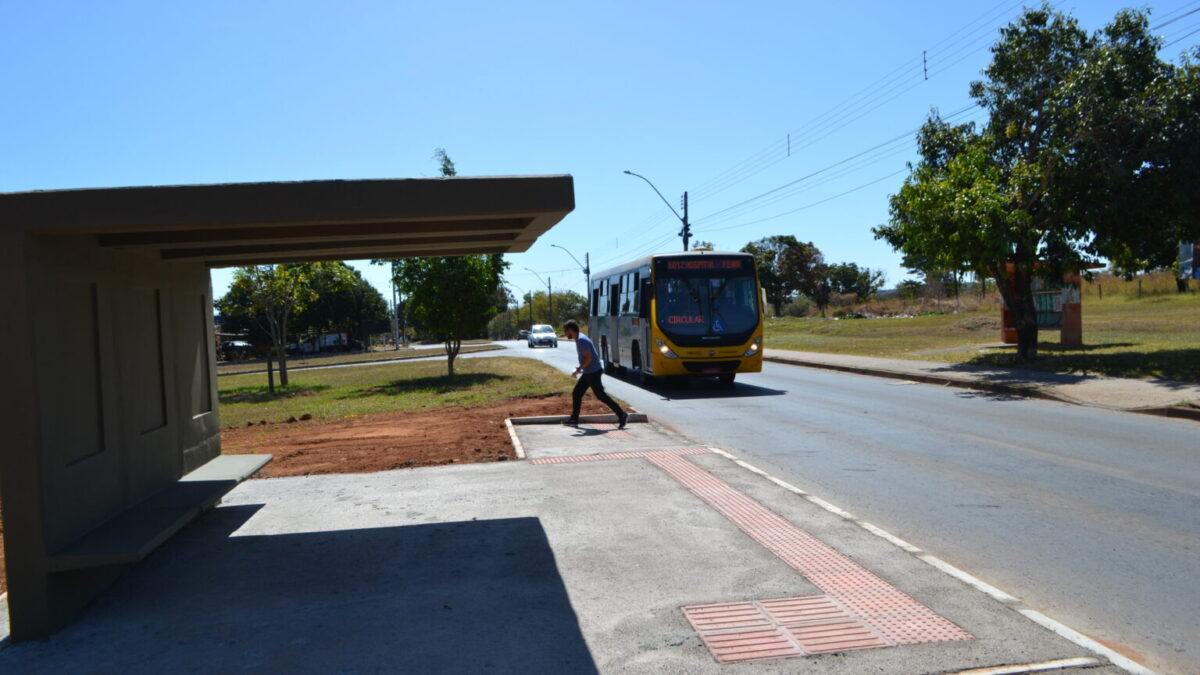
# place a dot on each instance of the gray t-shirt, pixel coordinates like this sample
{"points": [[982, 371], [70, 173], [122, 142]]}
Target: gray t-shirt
{"points": [[583, 345]]}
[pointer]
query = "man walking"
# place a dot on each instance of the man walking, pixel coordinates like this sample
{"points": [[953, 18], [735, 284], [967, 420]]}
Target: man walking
{"points": [[589, 373]]}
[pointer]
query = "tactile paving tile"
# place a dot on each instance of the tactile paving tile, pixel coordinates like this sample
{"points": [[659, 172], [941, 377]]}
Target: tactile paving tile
{"points": [[779, 628], [727, 615], [892, 614], [636, 454], [837, 636], [751, 645]]}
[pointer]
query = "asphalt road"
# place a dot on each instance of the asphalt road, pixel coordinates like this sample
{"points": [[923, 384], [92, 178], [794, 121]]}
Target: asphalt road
{"points": [[1091, 516]]}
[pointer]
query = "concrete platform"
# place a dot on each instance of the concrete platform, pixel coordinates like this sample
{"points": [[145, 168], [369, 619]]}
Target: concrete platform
{"points": [[578, 560]]}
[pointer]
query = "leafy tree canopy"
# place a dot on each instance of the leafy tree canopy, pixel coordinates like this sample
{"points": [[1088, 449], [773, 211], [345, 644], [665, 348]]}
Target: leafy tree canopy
{"points": [[270, 295], [1088, 151], [451, 296], [787, 266], [863, 282]]}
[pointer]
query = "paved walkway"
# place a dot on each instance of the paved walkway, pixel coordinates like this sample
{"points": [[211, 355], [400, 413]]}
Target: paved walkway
{"points": [[1174, 399], [611, 551]]}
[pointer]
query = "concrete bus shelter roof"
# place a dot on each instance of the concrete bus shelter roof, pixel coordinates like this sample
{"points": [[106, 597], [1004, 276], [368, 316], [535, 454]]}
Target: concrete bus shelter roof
{"points": [[111, 412], [256, 223]]}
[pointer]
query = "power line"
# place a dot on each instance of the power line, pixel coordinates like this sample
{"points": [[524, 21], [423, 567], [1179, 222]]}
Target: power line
{"points": [[905, 135], [809, 206], [872, 95], [1181, 38], [1176, 11]]}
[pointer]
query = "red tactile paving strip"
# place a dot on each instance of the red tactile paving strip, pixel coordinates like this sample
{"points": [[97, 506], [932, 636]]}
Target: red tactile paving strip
{"points": [[858, 611], [636, 454], [773, 629], [892, 614]]}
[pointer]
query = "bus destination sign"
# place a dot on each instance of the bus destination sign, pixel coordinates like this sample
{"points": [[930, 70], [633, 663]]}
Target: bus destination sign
{"points": [[704, 264]]}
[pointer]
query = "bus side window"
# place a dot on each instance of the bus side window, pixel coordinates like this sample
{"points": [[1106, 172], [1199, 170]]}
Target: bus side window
{"points": [[614, 298], [593, 309], [625, 292], [635, 295], [647, 293]]}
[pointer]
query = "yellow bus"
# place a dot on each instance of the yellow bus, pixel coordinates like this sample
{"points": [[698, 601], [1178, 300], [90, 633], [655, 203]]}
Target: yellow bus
{"points": [[676, 314]]}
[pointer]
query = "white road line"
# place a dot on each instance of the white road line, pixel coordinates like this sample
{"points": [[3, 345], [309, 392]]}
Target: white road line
{"points": [[969, 579], [880, 532], [829, 507], [1116, 658]]}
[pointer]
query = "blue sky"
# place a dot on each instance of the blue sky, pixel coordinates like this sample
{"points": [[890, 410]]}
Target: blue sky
{"points": [[698, 96]]}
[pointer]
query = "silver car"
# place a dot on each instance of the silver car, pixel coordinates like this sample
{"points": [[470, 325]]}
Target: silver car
{"points": [[541, 334]]}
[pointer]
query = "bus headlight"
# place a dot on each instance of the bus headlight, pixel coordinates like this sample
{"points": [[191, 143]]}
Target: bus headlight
{"points": [[754, 347], [665, 350]]}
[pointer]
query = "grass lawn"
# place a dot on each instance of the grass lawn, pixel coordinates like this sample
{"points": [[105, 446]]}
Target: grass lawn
{"points": [[1153, 336], [230, 367], [340, 393]]}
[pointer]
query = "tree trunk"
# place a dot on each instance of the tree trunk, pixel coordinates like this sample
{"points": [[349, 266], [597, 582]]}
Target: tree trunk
{"points": [[1181, 285], [281, 345], [453, 344], [270, 375], [1018, 299]]}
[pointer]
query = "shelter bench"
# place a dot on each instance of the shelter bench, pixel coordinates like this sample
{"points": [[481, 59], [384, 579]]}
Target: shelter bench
{"points": [[132, 534]]}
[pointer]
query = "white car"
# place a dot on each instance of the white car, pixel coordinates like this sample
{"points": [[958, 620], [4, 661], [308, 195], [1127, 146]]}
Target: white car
{"points": [[541, 334]]}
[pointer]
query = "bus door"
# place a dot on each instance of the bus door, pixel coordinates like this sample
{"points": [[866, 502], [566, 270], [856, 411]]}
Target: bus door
{"points": [[612, 321]]}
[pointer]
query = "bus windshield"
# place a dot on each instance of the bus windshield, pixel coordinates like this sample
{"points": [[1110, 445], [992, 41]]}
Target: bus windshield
{"points": [[696, 309]]}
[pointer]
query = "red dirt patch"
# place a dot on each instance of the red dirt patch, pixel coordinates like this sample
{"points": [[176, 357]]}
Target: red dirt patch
{"points": [[396, 440]]}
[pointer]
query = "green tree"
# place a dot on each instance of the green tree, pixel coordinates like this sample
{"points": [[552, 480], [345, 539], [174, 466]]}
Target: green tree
{"points": [[567, 305], [271, 294], [451, 296], [864, 282], [787, 266], [1083, 155], [344, 300]]}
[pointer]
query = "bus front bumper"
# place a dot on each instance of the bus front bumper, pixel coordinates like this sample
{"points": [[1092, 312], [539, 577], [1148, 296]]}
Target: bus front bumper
{"points": [[715, 366]]}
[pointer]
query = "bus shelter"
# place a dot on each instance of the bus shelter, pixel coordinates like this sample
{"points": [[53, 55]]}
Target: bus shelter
{"points": [[112, 436]]}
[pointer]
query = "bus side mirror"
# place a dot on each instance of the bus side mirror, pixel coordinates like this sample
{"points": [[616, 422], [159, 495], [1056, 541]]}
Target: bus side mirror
{"points": [[762, 305]]}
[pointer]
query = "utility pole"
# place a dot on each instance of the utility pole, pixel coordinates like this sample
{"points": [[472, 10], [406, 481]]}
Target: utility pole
{"points": [[686, 232]]}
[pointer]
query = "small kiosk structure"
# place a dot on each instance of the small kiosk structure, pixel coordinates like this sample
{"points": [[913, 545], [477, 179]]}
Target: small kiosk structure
{"points": [[1058, 306]]}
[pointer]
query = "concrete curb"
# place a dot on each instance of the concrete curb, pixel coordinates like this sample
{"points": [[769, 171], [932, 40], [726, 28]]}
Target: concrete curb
{"points": [[559, 419], [400, 359], [1028, 391], [512, 435], [1031, 391]]}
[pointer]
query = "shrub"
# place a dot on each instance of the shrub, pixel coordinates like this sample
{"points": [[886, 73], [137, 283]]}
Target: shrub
{"points": [[799, 306]]}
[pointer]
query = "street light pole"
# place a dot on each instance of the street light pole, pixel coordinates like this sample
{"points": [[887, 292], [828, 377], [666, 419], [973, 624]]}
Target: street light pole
{"points": [[586, 266], [549, 299], [686, 232]]}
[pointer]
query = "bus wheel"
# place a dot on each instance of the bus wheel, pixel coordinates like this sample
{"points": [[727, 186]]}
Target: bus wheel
{"points": [[726, 380], [640, 377]]}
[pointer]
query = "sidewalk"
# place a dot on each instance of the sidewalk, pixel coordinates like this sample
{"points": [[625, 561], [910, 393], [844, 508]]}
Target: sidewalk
{"points": [[606, 551], [1158, 397]]}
